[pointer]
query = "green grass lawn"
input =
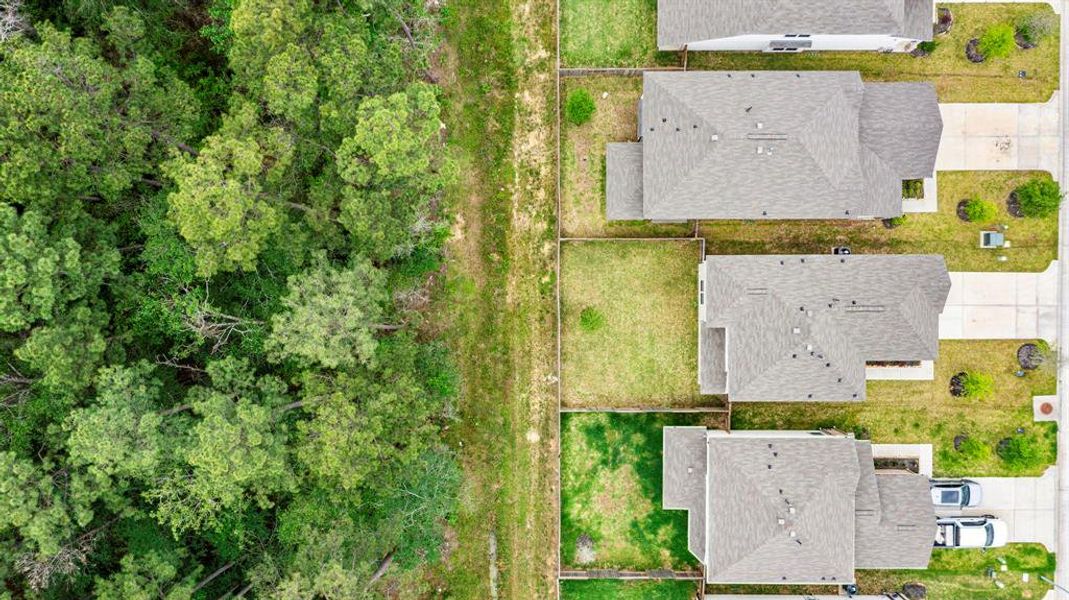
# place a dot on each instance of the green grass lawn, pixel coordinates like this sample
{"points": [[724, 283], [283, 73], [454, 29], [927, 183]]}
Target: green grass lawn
{"points": [[615, 589], [597, 33], [611, 492], [1034, 242], [629, 324], [915, 412], [962, 574], [582, 211]]}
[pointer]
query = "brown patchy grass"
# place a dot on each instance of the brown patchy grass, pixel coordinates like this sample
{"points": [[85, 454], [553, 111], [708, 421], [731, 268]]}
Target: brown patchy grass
{"points": [[1034, 241], [583, 160], [921, 412], [644, 352]]}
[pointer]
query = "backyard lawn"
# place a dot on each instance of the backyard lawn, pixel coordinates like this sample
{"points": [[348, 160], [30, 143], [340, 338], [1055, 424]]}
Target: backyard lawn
{"points": [[615, 589], [926, 412], [611, 516], [582, 210], [1034, 241], [597, 33], [629, 324]]}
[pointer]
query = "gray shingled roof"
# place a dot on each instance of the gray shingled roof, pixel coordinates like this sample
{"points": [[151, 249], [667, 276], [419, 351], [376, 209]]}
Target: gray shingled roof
{"points": [[681, 22], [754, 483], [773, 145], [623, 181], [801, 327], [684, 454], [793, 507]]}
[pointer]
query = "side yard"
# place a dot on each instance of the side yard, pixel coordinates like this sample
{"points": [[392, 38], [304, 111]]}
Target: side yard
{"points": [[629, 324], [597, 33], [965, 433], [611, 516], [614, 589]]}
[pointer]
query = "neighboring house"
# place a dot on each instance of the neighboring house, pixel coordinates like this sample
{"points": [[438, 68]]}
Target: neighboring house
{"points": [[802, 327], [793, 507], [772, 145], [793, 25]]}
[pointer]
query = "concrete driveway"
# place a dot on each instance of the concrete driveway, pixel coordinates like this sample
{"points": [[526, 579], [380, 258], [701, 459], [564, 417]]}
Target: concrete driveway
{"points": [[1027, 504], [979, 137], [1001, 306]]}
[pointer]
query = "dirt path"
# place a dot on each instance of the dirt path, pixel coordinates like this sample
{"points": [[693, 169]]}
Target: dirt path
{"points": [[498, 73]]}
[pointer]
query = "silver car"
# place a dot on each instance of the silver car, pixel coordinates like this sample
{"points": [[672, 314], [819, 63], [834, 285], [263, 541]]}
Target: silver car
{"points": [[955, 493]]}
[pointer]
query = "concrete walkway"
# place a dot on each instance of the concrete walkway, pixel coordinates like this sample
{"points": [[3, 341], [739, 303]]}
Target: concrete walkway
{"points": [[1001, 306], [1061, 573], [984, 137], [1027, 504]]}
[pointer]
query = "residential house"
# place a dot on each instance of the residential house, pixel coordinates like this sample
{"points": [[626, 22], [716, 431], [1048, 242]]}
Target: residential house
{"points": [[793, 507], [772, 145], [794, 25], [803, 327]]}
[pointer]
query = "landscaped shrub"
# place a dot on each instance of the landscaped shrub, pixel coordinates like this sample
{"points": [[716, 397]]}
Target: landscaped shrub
{"points": [[894, 222], [591, 319], [912, 188], [977, 385], [1039, 198], [579, 107], [973, 450], [1021, 452], [980, 211], [1034, 27], [998, 41]]}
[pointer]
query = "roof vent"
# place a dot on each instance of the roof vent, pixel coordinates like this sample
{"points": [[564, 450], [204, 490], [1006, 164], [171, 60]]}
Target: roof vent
{"points": [[760, 125], [715, 137], [796, 330], [760, 149]]}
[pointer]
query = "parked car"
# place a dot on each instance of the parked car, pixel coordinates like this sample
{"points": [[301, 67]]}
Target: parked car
{"points": [[955, 493], [971, 532]]}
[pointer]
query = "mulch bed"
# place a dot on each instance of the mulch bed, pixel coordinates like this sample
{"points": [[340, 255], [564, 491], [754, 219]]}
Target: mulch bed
{"points": [[901, 464], [945, 22], [972, 51], [959, 440], [961, 211], [1022, 43], [890, 223], [957, 385], [1029, 356], [919, 52], [1013, 205]]}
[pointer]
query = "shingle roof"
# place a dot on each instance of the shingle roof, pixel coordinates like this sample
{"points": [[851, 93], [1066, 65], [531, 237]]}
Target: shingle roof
{"points": [[623, 181], [776, 145], [793, 507], [801, 327], [681, 22], [780, 509]]}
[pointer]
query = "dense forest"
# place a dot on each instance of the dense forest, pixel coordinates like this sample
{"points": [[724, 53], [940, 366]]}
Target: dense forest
{"points": [[220, 226]]}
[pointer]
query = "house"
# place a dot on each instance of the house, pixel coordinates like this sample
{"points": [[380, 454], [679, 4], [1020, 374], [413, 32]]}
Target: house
{"points": [[803, 327], [793, 507], [793, 25], [772, 145]]}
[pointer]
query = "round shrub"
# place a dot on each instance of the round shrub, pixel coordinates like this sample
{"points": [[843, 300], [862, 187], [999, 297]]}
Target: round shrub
{"points": [[579, 107], [1035, 26], [974, 450], [591, 319], [1039, 198], [980, 211], [977, 385], [1021, 452], [998, 41]]}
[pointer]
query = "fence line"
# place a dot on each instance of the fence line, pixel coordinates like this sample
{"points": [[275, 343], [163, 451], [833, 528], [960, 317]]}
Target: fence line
{"points": [[634, 575], [613, 71], [649, 409]]}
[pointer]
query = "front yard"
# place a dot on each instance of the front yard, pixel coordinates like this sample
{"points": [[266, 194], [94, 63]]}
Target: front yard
{"points": [[916, 412], [951, 575], [615, 589], [629, 324], [1034, 241], [599, 33], [611, 516]]}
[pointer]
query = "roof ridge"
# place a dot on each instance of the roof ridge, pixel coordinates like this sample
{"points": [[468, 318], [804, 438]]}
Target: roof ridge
{"points": [[698, 160]]}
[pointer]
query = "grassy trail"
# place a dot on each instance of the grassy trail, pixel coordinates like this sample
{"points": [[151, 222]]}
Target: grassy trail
{"points": [[498, 72]]}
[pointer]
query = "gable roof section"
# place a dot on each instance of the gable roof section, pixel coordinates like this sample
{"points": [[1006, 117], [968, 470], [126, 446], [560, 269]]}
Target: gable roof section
{"points": [[780, 509], [900, 536], [773, 144], [681, 22], [684, 455], [802, 327]]}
